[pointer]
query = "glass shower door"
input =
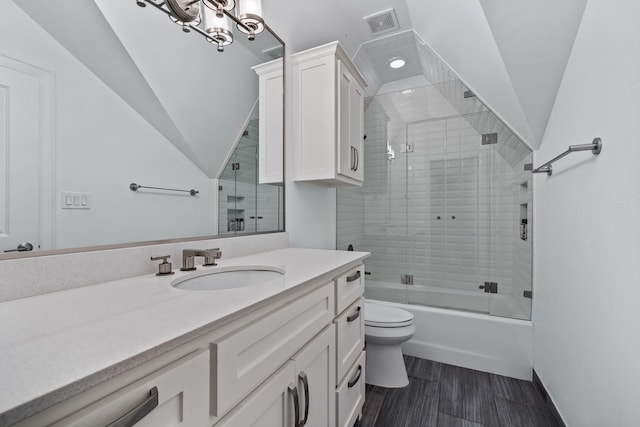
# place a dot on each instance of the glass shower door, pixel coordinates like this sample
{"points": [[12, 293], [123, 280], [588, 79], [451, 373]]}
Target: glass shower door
{"points": [[426, 220]]}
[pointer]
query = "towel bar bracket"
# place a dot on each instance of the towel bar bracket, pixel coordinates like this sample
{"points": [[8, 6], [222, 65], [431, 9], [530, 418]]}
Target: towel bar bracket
{"points": [[595, 147]]}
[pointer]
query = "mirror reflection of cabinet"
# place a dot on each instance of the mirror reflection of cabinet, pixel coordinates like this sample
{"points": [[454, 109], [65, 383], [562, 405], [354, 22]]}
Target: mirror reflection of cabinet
{"points": [[271, 106]]}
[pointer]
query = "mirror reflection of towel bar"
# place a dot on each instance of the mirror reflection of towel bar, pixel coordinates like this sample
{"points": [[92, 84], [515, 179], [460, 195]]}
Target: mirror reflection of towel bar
{"points": [[134, 187]]}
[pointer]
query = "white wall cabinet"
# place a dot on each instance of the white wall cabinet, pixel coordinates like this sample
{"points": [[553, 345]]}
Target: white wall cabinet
{"points": [[328, 117], [273, 367], [270, 127]]}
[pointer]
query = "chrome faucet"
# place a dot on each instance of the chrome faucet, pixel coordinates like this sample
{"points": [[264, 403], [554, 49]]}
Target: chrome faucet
{"points": [[210, 257]]}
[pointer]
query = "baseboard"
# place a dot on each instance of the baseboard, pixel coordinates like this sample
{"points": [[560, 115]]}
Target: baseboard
{"points": [[547, 399], [465, 359]]}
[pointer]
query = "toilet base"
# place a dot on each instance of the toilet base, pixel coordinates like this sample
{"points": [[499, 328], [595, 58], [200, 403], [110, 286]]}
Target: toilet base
{"points": [[385, 366]]}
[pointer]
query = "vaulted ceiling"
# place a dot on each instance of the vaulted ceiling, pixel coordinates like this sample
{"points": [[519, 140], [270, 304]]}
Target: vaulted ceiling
{"points": [[512, 54]]}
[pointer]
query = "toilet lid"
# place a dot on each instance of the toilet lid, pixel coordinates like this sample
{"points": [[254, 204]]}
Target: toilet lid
{"points": [[386, 316]]}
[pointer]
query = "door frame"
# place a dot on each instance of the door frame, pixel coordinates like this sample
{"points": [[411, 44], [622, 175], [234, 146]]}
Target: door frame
{"points": [[46, 147]]}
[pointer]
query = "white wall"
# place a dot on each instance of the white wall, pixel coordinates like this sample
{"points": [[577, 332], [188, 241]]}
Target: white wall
{"points": [[310, 208], [587, 241], [102, 145]]}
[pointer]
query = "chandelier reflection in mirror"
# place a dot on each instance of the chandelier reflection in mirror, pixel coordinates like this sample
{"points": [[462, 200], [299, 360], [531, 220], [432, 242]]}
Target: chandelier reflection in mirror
{"points": [[212, 18]]}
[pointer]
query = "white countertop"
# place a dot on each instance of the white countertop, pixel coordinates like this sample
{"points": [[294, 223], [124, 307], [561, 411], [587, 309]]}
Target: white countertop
{"points": [[54, 345]]}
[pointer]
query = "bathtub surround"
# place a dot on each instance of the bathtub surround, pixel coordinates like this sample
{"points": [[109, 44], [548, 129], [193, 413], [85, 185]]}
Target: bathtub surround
{"points": [[486, 343], [445, 190]]}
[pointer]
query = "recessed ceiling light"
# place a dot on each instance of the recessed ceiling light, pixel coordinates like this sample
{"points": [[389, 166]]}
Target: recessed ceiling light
{"points": [[396, 62], [406, 92]]}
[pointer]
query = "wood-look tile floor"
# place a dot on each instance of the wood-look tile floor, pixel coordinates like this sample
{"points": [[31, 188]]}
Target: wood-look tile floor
{"points": [[442, 395]]}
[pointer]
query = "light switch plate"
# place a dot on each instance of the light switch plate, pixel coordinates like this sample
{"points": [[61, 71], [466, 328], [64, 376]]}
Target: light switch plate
{"points": [[75, 200]]}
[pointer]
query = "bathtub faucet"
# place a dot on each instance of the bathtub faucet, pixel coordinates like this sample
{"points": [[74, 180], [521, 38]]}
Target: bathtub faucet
{"points": [[210, 257]]}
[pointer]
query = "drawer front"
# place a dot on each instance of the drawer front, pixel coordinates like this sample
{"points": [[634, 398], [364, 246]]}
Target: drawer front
{"points": [[244, 359], [350, 394], [176, 395], [349, 287], [349, 338]]}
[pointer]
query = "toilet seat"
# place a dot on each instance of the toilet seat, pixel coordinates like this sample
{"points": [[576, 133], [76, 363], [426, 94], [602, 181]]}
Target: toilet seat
{"points": [[386, 316]]}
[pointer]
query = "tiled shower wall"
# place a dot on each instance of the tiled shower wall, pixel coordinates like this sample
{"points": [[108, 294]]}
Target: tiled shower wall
{"points": [[447, 211], [240, 195]]}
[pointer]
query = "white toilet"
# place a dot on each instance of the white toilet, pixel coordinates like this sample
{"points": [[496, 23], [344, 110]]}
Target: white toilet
{"points": [[385, 328]]}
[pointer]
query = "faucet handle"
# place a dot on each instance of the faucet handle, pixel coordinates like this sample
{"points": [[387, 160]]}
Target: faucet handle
{"points": [[211, 255], [164, 268]]}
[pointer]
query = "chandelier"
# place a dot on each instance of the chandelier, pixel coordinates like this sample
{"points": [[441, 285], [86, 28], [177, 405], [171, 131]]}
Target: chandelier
{"points": [[213, 19]]}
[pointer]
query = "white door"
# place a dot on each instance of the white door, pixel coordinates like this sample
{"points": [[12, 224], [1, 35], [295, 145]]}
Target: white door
{"points": [[19, 158]]}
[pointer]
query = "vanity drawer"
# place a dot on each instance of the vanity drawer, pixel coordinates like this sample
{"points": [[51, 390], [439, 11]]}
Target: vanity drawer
{"points": [[350, 394], [349, 287], [243, 359], [349, 337], [176, 395]]}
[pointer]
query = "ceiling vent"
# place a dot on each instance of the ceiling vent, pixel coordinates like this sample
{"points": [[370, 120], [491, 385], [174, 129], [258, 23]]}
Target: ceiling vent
{"points": [[382, 22]]}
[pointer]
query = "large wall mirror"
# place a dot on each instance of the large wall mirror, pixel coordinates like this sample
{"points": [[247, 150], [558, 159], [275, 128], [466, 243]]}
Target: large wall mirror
{"points": [[97, 95]]}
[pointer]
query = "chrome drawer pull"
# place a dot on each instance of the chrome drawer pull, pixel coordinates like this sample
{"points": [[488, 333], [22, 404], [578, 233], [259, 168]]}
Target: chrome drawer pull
{"points": [[307, 399], [354, 277], [293, 391], [139, 412], [354, 316], [357, 377]]}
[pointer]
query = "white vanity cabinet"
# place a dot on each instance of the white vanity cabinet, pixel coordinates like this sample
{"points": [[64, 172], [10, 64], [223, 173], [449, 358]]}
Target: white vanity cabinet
{"points": [[350, 354], [301, 390], [328, 117], [270, 126], [293, 359]]}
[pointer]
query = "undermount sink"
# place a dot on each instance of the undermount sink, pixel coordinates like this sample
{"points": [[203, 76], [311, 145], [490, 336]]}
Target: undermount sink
{"points": [[229, 278]]}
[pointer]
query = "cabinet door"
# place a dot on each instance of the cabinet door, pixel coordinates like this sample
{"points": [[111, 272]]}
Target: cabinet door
{"points": [[314, 119], [350, 125], [270, 405], [271, 121], [356, 128], [315, 373]]}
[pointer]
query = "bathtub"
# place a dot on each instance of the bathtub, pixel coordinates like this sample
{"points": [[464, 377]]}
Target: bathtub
{"points": [[472, 340]]}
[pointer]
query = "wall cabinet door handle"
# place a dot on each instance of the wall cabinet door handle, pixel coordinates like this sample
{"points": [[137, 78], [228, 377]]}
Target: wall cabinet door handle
{"points": [[307, 398], [356, 276], [139, 412], [354, 316], [357, 159], [353, 158], [293, 391], [354, 381]]}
